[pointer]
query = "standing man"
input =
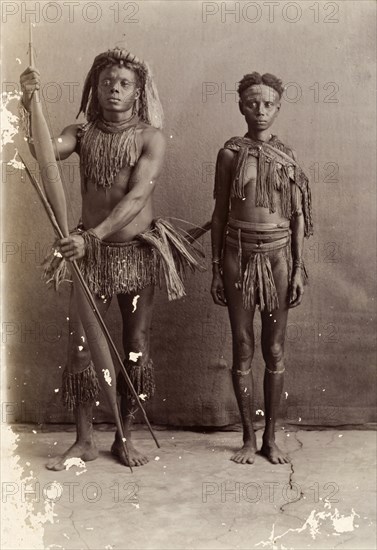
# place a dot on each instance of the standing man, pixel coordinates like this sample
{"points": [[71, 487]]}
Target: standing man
{"points": [[261, 215], [121, 248]]}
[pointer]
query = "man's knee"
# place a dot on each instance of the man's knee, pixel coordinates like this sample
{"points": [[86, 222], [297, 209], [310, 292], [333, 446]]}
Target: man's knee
{"points": [[274, 355], [137, 349], [79, 356]]}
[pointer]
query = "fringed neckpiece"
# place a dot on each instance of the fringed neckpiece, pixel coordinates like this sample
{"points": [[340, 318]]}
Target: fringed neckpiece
{"points": [[105, 148]]}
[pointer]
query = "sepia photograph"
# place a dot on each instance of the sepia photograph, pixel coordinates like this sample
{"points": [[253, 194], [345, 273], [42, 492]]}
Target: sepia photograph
{"points": [[188, 275]]}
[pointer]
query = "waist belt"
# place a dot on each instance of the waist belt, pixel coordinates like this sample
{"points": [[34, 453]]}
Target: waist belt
{"points": [[257, 237], [257, 281], [254, 226]]}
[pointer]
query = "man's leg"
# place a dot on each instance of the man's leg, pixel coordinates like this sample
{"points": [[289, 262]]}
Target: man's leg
{"points": [[79, 386], [136, 309], [241, 321], [273, 336]]}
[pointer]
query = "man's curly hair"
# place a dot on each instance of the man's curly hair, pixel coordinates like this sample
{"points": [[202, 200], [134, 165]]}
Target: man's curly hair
{"points": [[255, 78]]}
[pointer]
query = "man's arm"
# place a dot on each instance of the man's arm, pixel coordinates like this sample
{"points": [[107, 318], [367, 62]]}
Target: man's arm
{"points": [[223, 179], [65, 144], [141, 185]]}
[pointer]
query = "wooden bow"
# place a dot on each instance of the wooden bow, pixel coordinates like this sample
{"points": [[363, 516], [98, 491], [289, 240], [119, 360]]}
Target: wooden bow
{"points": [[55, 205]]}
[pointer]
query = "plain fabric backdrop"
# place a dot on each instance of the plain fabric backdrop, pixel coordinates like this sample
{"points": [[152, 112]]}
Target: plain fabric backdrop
{"points": [[198, 51]]}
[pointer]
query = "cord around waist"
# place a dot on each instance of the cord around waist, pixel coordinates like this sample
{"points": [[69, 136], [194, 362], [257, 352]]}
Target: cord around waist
{"points": [[234, 242], [259, 227]]}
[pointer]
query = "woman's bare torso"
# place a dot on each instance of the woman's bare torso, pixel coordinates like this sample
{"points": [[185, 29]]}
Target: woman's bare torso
{"points": [[245, 209]]}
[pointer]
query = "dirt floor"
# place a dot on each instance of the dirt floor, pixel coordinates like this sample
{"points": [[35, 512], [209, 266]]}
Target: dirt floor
{"points": [[191, 496]]}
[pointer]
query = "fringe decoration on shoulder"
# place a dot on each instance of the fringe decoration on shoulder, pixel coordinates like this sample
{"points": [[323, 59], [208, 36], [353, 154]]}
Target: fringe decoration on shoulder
{"points": [[302, 183], [80, 387], [142, 378], [103, 153], [151, 109], [277, 171]]}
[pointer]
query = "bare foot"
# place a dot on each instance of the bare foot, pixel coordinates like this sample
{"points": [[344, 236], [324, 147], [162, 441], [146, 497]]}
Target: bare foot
{"points": [[85, 451], [246, 455], [271, 451], [136, 458]]}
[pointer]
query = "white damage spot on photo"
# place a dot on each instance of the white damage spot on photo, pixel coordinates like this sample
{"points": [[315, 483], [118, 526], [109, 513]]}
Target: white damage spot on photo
{"points": [[59, 255], [23, 519], [134, 303], [133, 356], [313, 524], [16, 163], [106, 375], [9, 121], [53, 490], [259, 412], [75, 461]]}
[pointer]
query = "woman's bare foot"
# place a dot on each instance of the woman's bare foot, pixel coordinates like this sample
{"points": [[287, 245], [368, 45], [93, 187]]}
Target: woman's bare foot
{"points": [[275, 455], [135, 457], [246, 455], [86, 451]]}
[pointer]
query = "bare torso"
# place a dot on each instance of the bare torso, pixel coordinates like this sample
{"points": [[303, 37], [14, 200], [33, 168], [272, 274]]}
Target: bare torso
{"points": [[245, 210], [98, 202]]}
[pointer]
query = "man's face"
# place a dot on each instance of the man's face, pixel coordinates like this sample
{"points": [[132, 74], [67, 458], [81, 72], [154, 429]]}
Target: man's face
{"points": [[260, 105], [117, 89]]}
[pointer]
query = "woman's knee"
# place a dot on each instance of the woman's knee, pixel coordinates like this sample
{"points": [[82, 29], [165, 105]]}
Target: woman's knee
{"points": [[243, 345], [273, 355]]}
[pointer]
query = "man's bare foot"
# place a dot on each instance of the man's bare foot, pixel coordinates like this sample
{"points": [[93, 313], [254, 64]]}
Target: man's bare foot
{"points": [[271, 451], [136, 458], [246, 455], [85, 451]]}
